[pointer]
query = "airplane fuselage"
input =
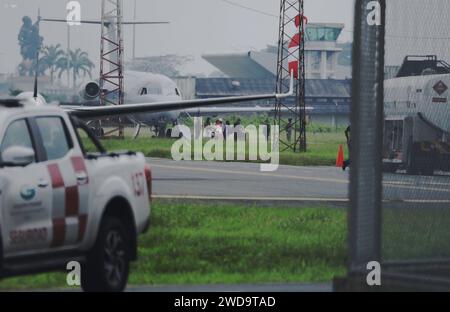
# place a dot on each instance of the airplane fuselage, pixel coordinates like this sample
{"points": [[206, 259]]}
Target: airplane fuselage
{"points": [[141, 87]]}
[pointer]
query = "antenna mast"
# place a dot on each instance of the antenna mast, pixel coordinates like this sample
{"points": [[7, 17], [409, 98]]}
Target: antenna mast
{"points": [[111, 59], [291, 59], [111, 54]]}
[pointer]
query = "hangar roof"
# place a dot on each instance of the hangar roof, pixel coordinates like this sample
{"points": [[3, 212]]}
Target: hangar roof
{"points": [[315, 88], [239, 65]]}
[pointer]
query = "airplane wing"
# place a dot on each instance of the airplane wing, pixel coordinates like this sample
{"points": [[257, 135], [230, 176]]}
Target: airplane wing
{"points": [[113, 110], [229, 110]]}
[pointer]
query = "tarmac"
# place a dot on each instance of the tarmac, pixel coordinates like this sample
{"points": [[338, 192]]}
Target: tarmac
{"points": [[293, 185]]}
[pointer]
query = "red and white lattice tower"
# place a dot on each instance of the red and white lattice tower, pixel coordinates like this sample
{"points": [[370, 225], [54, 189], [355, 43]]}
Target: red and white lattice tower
{"points": [[111, 54], [294, 46], [290, 114]]}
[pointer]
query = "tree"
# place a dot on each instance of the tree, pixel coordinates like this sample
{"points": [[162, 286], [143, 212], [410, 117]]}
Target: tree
{"points": [[51, 59], [78, 62], [28, 68], [30, 43]]}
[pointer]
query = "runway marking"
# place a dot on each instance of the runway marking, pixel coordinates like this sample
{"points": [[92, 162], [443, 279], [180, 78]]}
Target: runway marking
{"points": [[421, 188], [250, 173], [412, 183], [251, 198], [301, 199], [393, 183], [425, 201]]}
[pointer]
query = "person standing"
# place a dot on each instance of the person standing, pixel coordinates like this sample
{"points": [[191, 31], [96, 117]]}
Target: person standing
{"points": [[226, 129], [267, 124], [238, 130], [161, 129], [348, 137], [209, 133], [289, 127], [218, 130]]}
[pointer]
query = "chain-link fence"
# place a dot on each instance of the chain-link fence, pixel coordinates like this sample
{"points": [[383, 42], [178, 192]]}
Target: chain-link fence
{"points": [[416, 144], [400, 175]]}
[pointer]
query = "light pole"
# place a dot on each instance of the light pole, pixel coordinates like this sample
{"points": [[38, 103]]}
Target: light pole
{"points": [[1, 62], [68, 52], [134, 32], [68, 55]]}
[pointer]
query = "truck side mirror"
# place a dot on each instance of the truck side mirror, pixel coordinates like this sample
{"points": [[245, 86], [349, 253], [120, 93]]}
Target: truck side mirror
{"points": [[18, 156]]}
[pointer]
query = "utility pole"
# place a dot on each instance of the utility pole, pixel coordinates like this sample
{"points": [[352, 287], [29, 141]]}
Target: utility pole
{"points": [[134, 32], [1, 62], [68, 55]]}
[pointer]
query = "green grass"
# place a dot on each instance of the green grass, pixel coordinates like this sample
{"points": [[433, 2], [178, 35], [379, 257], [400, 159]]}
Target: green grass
{"points": [[202, 244], [416, 233], [321, 150]]}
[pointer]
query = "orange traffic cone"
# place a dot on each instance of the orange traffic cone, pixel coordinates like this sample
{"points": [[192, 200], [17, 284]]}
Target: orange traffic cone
{"points": [[340, 157]]}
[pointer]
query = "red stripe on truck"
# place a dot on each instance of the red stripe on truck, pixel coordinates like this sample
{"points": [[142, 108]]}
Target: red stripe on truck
{"points": [[59, 232], [72, 201], [56, 176], [79, 165], [82, 223]]}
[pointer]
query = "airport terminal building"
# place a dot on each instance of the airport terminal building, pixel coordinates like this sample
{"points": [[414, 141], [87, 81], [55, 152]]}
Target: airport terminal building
{"points": [[322, 57]]}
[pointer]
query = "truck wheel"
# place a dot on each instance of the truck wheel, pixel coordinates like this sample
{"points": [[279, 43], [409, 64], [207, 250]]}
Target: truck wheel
{"points": [[108, 263], [427, 166], [390, 168], [411, 163], [424, 162], [411, 168], [1, 251]]}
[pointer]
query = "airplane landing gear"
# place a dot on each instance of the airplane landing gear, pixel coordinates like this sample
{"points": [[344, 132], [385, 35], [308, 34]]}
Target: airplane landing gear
{"points": [[137, 131]]}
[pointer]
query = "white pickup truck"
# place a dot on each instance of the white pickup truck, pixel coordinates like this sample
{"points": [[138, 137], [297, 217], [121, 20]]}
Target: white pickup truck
{"points": [[59, 203]]}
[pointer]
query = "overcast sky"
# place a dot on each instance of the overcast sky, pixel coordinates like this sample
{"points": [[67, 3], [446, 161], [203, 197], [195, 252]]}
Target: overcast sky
{"points": [[417, 27], [197, 26]]}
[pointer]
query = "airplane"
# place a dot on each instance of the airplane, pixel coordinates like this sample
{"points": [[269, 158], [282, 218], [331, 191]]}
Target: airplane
{"points": [[140, 87]]}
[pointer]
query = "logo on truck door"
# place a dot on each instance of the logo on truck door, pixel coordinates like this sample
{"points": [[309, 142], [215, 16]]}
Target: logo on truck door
{"points": [[27, 193], [440, 87]]}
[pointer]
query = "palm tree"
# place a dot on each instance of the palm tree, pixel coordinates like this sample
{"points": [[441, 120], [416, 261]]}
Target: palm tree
{"points": [[79, 63], [63, 65], [51, 58]]}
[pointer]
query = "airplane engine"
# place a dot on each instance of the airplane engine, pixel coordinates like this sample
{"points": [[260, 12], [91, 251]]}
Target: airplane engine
{"points": [[91, 91]]}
